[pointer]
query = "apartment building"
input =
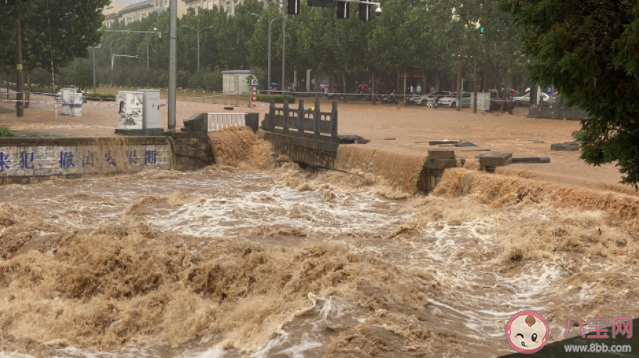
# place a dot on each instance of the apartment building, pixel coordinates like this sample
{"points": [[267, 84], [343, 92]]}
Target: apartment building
{"points": [[142, 9]]}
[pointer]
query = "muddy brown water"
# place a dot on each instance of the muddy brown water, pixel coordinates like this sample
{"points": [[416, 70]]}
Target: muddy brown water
{"points": [[233, 262]]}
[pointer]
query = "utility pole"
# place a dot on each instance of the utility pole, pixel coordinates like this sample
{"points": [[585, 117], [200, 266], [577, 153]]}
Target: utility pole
{"points": [[19, 81], [459, 77], [172, 62], [284, 55], [474, 84], [94, 81]]}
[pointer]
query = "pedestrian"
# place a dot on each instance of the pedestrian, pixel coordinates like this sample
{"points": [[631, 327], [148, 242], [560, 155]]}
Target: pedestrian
{"points": [[419, 89], [411, 89]]}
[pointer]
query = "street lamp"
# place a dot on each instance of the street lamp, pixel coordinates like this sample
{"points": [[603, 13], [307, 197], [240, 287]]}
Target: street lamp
{"points": [[269, 49], [147, 47], [111, 44], [116, 55], [198, 42]]}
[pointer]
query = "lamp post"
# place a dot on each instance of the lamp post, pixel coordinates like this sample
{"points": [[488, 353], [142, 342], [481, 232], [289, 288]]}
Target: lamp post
{"points": [[172, 63], [111, 45], [198, 42], [283, 86], [269, 49], [147, 48]]}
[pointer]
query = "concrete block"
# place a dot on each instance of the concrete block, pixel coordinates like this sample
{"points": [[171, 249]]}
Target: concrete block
{"points": [[441, 154], [440, 163], [531, 160], [567, 146], [495, 159]]}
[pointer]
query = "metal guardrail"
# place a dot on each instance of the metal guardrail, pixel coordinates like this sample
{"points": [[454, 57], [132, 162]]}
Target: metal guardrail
{"points": [[218, 121]]}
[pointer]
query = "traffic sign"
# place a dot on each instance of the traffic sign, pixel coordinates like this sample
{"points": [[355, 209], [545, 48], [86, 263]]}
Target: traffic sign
{"points": [[549, 90], [254, 82]]}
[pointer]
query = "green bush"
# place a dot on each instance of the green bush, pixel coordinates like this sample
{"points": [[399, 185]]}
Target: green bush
{"points": [[96, 96], [279, 98], [6, 132]]}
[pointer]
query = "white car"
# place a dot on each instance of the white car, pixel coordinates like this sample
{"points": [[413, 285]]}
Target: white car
{"points": [[525, 99], [451, 100], [423, 99]]}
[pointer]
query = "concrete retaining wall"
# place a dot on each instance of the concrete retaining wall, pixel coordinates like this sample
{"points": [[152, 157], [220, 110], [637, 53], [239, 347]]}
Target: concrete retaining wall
{"points": [[30, 160], [27, 160], [320, 153], [191, 151], [304, 150]]}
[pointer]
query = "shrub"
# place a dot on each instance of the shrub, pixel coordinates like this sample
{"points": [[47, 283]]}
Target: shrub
{"points": [[6, 132], [279, 98], [97, 96]]}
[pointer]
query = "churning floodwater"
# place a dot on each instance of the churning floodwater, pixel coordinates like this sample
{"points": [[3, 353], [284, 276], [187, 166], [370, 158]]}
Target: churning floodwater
{"points": [[232, 262]]}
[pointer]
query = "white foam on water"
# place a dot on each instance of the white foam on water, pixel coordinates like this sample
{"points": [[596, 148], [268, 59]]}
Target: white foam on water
{"points": [[277, 207]]}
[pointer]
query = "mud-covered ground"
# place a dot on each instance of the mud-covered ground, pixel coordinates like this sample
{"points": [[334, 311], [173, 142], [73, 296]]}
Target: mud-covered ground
{"points": [[229, 262], [405, 130]]}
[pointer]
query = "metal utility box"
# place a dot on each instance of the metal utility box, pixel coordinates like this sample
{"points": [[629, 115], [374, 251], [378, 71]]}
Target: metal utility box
{"points": [[139, 112], [483, 101], [151, 111], [67, 95], [75, 108]]}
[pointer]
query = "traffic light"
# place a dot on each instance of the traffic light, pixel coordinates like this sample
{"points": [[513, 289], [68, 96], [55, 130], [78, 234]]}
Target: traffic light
{"points": [[293, 7], [482, 30], [365, 11], [343, 10]]}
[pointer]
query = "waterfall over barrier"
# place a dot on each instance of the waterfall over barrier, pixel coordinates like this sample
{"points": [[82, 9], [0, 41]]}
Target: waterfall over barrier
{"points": [[399, 171]]}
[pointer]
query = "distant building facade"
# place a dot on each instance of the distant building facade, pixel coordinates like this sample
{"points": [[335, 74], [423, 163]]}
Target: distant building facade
{"points": [[141, 10]]}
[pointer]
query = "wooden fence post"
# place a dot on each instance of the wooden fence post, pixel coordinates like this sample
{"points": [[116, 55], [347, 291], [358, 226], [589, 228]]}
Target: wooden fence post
{"points": [[286, 115], [334, 121], [300, 117], [316, 118]]}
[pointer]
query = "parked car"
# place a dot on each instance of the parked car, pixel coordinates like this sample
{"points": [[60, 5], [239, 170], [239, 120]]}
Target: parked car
{"points": [[451, 100], [525, 99], [423, 99]]}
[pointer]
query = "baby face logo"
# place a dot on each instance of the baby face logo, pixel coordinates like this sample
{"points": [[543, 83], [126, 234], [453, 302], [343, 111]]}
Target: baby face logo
{"points": [[527, 332]]}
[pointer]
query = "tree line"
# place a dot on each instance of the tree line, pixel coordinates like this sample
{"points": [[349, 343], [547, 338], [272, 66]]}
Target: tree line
{"points": [[586, 48], [440, 37]]}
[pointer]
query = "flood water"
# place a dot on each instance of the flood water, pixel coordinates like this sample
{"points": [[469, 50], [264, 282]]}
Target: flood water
{"points": [[287, 263]]}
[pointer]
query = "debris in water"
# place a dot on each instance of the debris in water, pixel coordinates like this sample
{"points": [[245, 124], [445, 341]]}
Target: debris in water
{"points": [[531, 160], [567, 146], [465, 144], [446, 141]]}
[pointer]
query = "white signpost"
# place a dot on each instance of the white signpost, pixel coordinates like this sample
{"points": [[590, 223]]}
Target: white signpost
{"points": [[254, 83]]}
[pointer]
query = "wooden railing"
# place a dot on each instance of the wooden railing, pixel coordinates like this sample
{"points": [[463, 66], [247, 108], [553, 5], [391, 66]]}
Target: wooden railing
{"points": [[302, 122]]}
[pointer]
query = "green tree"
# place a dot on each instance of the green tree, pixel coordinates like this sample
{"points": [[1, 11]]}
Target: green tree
{"points": [[79, 74], [587, 49], [55, 31]]}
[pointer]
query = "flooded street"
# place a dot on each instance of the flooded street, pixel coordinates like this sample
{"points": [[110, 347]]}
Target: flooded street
{"points": [[287, 263]]}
